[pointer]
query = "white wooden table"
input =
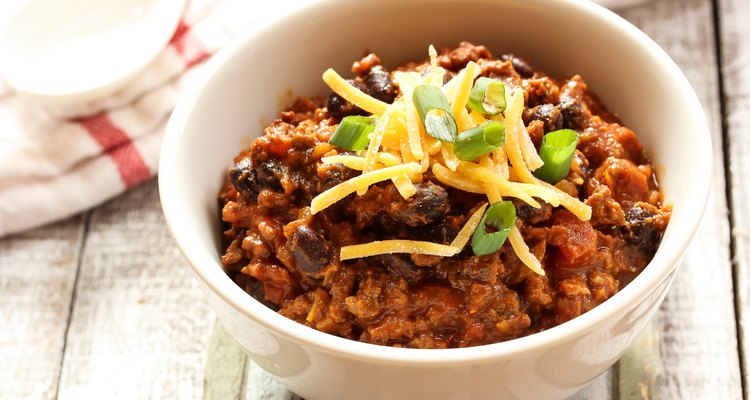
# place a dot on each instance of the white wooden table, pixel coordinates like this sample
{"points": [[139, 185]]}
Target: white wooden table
{"points": [[102, 306]]}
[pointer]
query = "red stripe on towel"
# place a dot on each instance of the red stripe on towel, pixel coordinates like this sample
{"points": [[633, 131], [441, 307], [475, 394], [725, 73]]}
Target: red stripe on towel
{"points": [[118, 146], [187, 45]]}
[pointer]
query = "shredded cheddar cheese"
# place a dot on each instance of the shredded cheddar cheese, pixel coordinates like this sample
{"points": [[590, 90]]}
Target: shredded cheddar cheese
{"points": [[416, 246], [396, 246], [338, 192], [512, 140], [376, 137], [449, 159], [436, 73], [522, 251], [401, 151], [477, 118], [413, 129], [352, 94], [514, 126], [471, 224], [500, 162], [358, 163], [463, 88], [577, 207], [504, 186], [433, 145], [455, 180], [404, 186]]}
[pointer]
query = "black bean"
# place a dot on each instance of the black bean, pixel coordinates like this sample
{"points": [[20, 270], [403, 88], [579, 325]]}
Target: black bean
{"points": [[550, 115], [338, 107], [243, 177], [401, 266], [427, 205], [572, 114], [379, 85], [439, 232], [333, 175], [531, 215], [254, 288], [521, 66], [641, 227], [311, 251], [250, 179], [270, 173]]}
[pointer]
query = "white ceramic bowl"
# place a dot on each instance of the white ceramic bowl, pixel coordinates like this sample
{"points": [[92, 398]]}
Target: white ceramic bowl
{"points": [[66, 52], [245, 88]]}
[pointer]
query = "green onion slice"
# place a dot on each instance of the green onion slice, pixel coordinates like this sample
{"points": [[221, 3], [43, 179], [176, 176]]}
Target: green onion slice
{"points": [[352, 132], [557, 152], [476, 142], [487, 96], [501, 218], [435, 113]]}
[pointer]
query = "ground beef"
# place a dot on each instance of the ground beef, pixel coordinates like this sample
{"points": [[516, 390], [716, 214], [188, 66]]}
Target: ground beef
{"points": [[287, 258]]}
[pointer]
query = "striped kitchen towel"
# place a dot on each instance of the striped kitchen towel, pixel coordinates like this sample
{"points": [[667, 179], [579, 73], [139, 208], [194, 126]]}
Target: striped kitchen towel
{"points": [[55, 162]]}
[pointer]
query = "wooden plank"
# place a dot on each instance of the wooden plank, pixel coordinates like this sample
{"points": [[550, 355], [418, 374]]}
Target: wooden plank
{"points": [[735, 60], [259, 385], [140, 325], [231, 375], [226, 365], [37, 276], [698, 335], [639, 370], [599, 389]]}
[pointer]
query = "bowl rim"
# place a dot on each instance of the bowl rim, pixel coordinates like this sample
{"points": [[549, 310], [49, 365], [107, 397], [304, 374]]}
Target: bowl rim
{"points": [[658, 270]]}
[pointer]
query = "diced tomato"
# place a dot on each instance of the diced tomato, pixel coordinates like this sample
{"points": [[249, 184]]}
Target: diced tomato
{"points": [[574, 240]]}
